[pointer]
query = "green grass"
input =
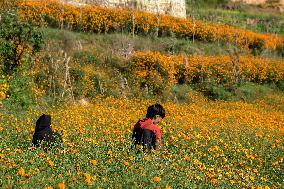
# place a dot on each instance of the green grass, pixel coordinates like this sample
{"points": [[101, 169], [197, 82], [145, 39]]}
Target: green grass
{"points": [[120, 43]]}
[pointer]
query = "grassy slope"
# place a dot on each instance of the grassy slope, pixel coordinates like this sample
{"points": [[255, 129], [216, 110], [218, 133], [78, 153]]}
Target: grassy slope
{"points": [[254, 18], [120, 41]]}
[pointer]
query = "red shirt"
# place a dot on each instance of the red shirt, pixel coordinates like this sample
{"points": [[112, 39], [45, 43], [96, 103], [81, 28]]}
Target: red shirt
{"points": [[147, 123]]}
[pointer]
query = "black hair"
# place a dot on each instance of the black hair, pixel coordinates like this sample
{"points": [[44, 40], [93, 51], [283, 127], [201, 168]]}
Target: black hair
{"points": [[156, 109]]}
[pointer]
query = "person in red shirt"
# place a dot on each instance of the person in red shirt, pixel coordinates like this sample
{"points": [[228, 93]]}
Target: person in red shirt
{"points": [[146, 131]]}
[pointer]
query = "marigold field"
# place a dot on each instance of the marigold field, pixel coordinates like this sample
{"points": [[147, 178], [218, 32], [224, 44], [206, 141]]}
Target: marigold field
{"points": [[206, 144]]}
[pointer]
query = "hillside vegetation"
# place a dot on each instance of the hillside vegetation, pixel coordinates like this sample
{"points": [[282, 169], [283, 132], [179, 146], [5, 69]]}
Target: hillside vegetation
{"points": [[96, 70], [107, 64]]}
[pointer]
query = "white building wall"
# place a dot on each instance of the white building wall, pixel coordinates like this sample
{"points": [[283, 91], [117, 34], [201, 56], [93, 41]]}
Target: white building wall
{"points": [[170, 7]]}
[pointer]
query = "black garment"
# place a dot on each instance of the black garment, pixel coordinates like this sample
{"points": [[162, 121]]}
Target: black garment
{"points": [[44, 133], [144, 137]]}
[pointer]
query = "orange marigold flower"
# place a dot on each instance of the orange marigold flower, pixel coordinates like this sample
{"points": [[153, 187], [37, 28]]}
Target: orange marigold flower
{"points": [[94, 162], [87, 178], [168, 187], [49, 187], [61, 185], [214, 181], [126, 163], [146, 158], [186, 157], [156, 179], [50, 163], [21, 172]]}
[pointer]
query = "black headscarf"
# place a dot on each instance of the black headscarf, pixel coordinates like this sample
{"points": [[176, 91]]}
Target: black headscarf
{"points": [[44, 132], [43, 123]]}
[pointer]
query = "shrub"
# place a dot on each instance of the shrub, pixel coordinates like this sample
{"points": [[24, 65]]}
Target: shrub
{"points": [[280, 49], [21, 90], [214, 91], [181, 92], [18, 38], [251, 91], [280, 85], [257, 45]]}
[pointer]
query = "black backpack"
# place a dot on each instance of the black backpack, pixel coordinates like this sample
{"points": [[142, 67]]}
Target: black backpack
{"points": [[145, 138]]}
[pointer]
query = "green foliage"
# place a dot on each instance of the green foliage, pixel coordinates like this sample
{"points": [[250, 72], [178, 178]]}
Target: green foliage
{"points": [[251, 91], [280, 85], [280, 49], [214, 91], [247, 92], [17, 39], [206, 3], [84, 58], [20, 90], [181, 92]]}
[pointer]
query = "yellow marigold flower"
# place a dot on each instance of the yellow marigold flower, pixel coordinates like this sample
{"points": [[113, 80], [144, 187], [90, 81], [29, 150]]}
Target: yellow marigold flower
{"points": [[232, 182], [21, 172], [104, 179], [109, 152], [156, 179], [61, 185], [94, 178]]}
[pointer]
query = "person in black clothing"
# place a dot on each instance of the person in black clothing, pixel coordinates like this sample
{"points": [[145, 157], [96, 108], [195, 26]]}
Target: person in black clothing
{"points": [[44, 134]]}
